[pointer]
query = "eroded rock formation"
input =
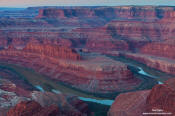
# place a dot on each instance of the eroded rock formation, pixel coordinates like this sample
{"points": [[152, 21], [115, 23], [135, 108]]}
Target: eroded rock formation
{"points": [[128, 12], [129, 104], [163, 64], [162, 49], [93, 74], [31, 102], [158, 100]]}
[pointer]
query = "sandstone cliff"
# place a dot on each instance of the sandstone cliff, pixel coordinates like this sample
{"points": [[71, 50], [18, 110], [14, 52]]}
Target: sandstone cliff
{"points": [[96, 74], [149, 12], [52, 51], [163, 64], [162, 49], [150, 101]]}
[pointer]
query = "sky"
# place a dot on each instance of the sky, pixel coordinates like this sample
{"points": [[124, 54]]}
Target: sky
{"points": [[28, 3]]}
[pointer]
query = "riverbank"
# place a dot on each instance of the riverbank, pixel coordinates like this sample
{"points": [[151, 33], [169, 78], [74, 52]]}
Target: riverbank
{"points": [[40, 81], [160, 76], [44, 83]]}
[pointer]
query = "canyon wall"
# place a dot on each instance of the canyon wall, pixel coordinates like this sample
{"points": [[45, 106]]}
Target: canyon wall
{"points": [[163, 64], [96, 74], [52, 51], [140, 12], [161, 49], [132, 26], [157, 100]]}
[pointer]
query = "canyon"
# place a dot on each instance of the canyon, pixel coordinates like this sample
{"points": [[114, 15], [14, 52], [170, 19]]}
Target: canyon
{"points": [[64, 64], [76, 55]]}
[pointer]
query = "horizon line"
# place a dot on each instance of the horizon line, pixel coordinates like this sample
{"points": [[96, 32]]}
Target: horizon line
{"points": [[83, 6]]}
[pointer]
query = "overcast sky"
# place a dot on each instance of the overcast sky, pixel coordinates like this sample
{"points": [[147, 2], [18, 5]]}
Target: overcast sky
{"points": [[26, 3]]}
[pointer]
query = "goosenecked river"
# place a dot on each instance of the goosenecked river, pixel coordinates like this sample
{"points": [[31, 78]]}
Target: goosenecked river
{"points": [[104, 101], [40, 82]]}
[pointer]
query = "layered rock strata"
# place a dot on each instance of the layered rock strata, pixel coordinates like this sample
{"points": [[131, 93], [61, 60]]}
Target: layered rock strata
{"points": [[163, 64], [129, 12], [161, 49], [93, 74], [159, 100]]}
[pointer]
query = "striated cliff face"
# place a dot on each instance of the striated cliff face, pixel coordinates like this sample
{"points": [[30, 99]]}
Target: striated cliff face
{"points": [[158, 94], [162, 49], [163, 64], [149, 12], [52, 51], [140, 32], [133, 24], [116, 28], [161, 97], [96, 74], [64, 13], [129, 104]]}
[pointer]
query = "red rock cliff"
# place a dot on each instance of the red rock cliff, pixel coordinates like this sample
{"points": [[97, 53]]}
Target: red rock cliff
{"points": [[65, 65], [53, 51], [161, 97], [149, 12], [163, 49]]}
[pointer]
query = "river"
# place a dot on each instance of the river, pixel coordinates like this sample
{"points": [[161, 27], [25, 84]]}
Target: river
{"points": [[40, 82], [104, 101], [142, 72]]}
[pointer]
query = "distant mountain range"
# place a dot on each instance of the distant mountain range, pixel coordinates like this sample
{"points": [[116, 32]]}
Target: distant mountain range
{"points": [[10, 9]]}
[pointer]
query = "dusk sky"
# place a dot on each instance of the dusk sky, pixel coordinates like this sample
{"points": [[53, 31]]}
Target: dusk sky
{"points": [[26, 3]]}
